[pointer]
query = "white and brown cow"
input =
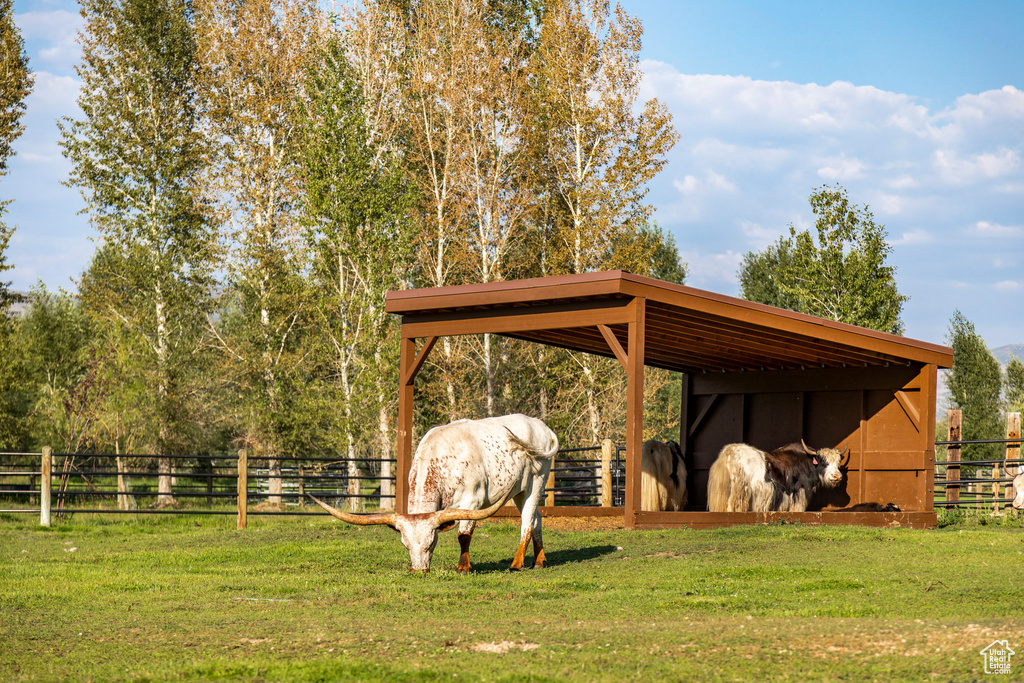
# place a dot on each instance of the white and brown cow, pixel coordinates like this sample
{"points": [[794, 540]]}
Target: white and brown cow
{"points": [[465, 471], [745, 479], [1018, 489], [662, 477]]}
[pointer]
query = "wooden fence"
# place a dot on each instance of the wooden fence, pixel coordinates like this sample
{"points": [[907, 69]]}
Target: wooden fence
{"points": [[241, 484], [990, 481]]}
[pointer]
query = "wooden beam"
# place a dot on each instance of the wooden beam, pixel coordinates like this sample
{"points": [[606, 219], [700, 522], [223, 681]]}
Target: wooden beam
{"points": [[615, 346], [909, 408], [417, 363], [518, 319], [700, 417]]}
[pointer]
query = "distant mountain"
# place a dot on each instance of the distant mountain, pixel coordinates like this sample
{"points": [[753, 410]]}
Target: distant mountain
{"points": [[1003, 353]]}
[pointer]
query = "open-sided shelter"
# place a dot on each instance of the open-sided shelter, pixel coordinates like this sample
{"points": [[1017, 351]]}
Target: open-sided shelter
{"points": [[751, 373]]}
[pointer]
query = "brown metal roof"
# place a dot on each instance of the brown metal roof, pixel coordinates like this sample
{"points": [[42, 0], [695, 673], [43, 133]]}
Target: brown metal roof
{"points": [[687, 329]]}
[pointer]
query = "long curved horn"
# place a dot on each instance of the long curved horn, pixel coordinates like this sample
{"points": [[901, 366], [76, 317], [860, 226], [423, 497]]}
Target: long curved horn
{"points": [[807, 449], [361, 520], [445, 516], [846, 452]]}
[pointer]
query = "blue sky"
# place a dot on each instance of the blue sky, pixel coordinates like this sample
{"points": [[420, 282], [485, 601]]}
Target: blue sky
{"points": [[916, 108]]}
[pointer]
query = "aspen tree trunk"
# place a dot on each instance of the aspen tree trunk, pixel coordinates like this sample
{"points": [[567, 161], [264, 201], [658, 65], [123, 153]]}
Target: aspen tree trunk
{"points": [[164, 481], [593, 412], [387, 488], [489, 374]]}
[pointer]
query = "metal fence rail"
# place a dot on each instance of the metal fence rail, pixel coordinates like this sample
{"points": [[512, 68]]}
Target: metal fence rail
{"points": [[213, 484], [200, 484]]}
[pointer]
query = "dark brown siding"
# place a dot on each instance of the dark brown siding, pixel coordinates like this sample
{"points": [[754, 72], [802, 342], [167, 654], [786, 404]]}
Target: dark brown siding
{"points": [[876, 412]]}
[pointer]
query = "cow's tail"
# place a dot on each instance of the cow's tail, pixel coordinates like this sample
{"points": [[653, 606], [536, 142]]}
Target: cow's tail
{"points": [[547, 452], [653, 494], [719, 484], [542, 458]]}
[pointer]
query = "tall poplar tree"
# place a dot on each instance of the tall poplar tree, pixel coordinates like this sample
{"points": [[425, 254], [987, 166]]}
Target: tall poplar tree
{"points": [[357, 203], [252, 57], [135, 153], [974, 384], [1014, 385], [15, 85], [838, 273], [594, 154]]}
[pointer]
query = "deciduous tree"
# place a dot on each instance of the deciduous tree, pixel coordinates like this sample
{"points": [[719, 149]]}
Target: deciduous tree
{"points": [[135, 153], [1014, 383], [252, 56], [357, 203], [593, 154], [838, 273], [15, 85], [974, 382]]}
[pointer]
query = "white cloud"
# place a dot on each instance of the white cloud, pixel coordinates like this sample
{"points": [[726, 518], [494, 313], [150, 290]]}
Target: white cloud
{"points": [[977, 167], [713, 271], [997, 231], [758, 235], [1009, 286], [52, 93], [903, 182], [841, 168], [947, 183], [52, 36], [912, 237], [710, 182]]}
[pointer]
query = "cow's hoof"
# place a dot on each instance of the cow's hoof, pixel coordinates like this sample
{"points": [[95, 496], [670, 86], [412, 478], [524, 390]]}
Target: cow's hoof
{"points": [[462, 570]]}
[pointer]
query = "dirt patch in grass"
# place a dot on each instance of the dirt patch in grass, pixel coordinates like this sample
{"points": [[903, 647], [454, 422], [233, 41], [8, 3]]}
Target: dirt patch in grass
{"points": [[584, 523]]}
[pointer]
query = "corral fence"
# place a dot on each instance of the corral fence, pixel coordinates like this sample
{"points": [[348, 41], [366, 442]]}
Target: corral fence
{"points": [[977, 483], [60, 484]]}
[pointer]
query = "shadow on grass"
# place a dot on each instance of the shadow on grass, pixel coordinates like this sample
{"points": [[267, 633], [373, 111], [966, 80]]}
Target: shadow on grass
{"points": [[554, 558]]}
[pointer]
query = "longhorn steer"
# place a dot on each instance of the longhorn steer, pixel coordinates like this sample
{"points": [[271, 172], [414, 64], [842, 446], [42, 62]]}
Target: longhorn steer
{"points": [[463, 472], [1018, 489], [745, 479], [662, 477]]}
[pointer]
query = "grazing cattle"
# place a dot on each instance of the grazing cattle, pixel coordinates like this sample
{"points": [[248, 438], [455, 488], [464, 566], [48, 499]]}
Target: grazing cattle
{"points": [[460, 469], [745, 479], [1018, 489], [662, 477]]}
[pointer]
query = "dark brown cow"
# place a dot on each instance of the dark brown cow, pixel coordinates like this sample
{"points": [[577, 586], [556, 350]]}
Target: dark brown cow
{"points": [[746, 479]]}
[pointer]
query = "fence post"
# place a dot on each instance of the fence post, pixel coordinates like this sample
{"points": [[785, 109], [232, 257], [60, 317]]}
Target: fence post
{"points": [[44, 487], [549, 499], [607, 451], [243, 488], [953, 456], [1012, 453]]}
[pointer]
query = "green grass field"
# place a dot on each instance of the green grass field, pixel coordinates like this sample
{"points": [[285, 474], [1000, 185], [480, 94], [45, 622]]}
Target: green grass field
{"points": [[310, 599]]}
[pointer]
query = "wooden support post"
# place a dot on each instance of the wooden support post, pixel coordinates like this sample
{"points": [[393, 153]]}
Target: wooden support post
{"points": [[953, 458], [995, 489], [607, 452], [1012, 453], [634, 410], [44, 487], [243, 488], [549, 498]]}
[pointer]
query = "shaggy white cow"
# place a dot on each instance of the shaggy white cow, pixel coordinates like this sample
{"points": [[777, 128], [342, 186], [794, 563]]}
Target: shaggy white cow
{"points": [[464, 472], [745, 479], [662, 477]]}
